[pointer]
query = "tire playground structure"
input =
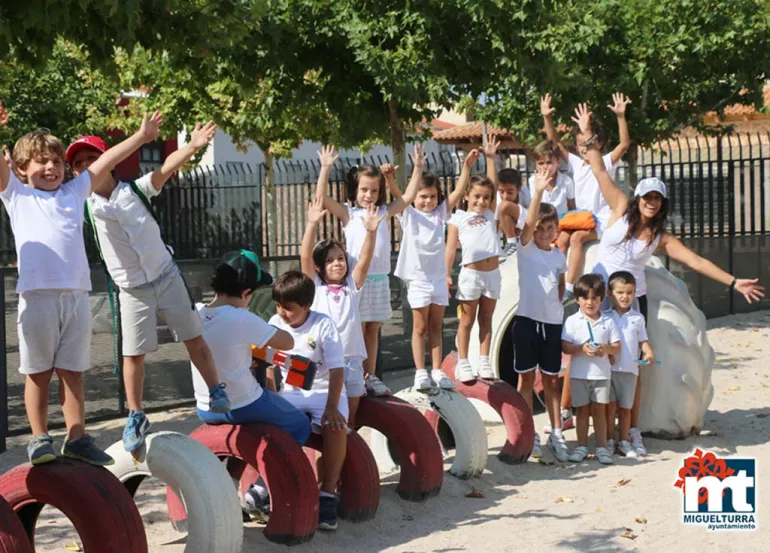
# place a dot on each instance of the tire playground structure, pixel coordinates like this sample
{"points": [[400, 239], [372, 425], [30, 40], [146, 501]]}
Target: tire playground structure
{"points": [[13, 536]]}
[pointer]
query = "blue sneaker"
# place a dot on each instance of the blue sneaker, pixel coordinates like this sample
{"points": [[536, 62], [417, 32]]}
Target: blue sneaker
{"points": [[218, 400], [135, 431], [40, 450], [327, 513], [569, 298], [84, 449]]}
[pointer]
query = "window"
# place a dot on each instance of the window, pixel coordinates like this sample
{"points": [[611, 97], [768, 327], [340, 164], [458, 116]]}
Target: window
{"points": [[151, 156]]}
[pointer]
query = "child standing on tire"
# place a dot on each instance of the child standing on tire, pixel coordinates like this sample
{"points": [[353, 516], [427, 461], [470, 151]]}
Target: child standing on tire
{"points": [[315, 337]]}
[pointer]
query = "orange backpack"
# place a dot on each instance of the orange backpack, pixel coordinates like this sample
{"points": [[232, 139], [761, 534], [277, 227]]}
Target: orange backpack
{"points": [[577, 220]]}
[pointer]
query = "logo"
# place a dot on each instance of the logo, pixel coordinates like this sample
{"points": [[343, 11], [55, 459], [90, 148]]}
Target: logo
{"points": [[719, 493]]}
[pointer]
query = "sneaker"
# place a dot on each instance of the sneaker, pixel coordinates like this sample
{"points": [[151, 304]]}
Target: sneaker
{"points": [[626, 450], [610, 446], [509, 249], [256, 506], [135, 430], [567, 421], [604, 456], [558, 446], [218, 400], [486, 371], [636, 442], [376, 387], [422, 381], [327, 513], [442, 380], [568, 299], [537, 449], [84, 449], [464, 371], [579, 454], [40, 450]]}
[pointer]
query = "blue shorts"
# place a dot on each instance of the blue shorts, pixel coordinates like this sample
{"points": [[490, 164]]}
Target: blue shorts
{"points": [[270, 408]]}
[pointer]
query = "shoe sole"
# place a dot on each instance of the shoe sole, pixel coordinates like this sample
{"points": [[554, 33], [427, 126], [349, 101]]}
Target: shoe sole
{"points": [[138, 446], [86, 460], [325, 526], [553, 450], [43, 459], [220, 410]]}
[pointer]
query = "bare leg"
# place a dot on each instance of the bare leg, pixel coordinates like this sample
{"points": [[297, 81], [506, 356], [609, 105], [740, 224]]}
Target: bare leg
{"points": [[200, 355], [352, 409], [372, 341], [334, 449], [562, 242], [73, 404], [577, 255], [508, 226], [467, 317], [625, 423], [420, 318], [611, 408], [36, 401], [566, 391], [582, 424], [551, 389], [599, 414], [133, 379], [436, 335], [525, 386], [637, 404], [486, 309]]}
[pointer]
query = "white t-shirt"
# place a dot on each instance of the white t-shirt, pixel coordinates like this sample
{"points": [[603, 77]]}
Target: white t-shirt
{"points": [[230, 332], [477, 234], [632, 333], [575, 331], [133, 249], [563, 190], [340, 303], [318, 340], [588, 195], [355, 234], [539, 272], [48, 233], [422, 244]]}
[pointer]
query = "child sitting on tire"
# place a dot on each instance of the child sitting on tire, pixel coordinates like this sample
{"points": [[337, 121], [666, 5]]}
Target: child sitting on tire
{"points": [[316, 337]]}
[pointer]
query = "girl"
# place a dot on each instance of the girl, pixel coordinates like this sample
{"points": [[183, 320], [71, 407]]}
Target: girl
{"points": [[366, 188], [478, 285], [635, 231]]}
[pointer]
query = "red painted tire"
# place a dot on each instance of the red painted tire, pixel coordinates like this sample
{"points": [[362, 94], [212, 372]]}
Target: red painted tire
{"points": [[98, 505], [414, 444], [511, 407], [276, 456], [13, 537], [360, 479]]}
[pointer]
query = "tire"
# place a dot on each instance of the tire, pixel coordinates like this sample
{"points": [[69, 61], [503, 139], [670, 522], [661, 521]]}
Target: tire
{"points": [[195, 475], [359, 488], [511, 407], [13, 537], [98, 505], [279, 459], [457, 424], [414, 444]]}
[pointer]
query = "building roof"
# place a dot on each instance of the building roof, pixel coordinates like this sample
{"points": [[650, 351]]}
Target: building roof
{"points": [[470, 134]]}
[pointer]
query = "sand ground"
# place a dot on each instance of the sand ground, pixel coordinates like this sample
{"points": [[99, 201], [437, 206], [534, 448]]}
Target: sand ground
{"points": [[531, 507]]}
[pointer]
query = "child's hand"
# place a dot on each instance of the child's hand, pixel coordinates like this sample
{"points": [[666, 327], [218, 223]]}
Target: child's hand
{"points": [[583, 118], [750, 288], [372, 219], [316, 211], [150, 129], [542, 180], [545, 106], [620, 101], [649, 356], [202, 135], [589, 350], [334, 419], [472, 158], [328, 156], [389, 170], [448, 281], [490, 150], [3, 115], [419, 156]]}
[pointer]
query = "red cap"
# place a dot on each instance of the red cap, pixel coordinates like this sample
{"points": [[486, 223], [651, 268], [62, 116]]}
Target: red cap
{"points": [[93, 142]]}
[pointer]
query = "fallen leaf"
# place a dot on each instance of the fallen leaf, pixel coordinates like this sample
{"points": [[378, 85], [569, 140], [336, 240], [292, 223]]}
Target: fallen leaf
{"points": [[734, 388], [73, 546], [620, 483], [641, 520], [564, 499], [628, 534], [765, 385], [474, 493], [598, 510], [755, 329]]}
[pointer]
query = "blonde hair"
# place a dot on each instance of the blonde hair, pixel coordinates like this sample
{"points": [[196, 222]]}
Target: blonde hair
{"points": [[34, 145], [546, 149]]}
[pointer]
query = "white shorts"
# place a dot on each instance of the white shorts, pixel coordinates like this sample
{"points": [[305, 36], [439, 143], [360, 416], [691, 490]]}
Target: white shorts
{"points": [[54, 331], [472, 284], [354, 378], [422, 293], [313, 403], [166, 296], [374, 305]]}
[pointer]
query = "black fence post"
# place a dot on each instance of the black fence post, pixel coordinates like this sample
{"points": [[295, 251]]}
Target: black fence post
{"points": [[3, 370], [730, 216]]}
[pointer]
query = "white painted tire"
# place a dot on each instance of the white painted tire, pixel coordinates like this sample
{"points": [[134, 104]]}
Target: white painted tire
{"points": [[463, 421], [198, 477]]}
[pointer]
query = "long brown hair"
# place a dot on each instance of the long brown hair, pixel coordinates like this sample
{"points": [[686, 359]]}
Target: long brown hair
{"points": [[657, 224], [354, 176], [476, 180]]}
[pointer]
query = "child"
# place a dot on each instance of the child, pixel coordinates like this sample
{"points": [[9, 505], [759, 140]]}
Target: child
{"points": [[625, 369], [590, 336], [230, 330], [54, 279], [509, 189], [478, 285], [150, 282], [561, 192], [316, 338], [366, 187], [588, 196], [537, 326]]}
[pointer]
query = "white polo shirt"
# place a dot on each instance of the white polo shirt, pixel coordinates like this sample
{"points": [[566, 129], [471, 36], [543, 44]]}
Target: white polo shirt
{"points": [[605, 331], [563, 190], [539, 272], [588, 195], [130, 239], [477, 235], [421, 256], [632, 332]]}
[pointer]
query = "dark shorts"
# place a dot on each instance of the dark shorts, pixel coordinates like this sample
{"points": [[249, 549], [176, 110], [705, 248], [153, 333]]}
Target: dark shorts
{"points": [[536, 345], [643, 306]]}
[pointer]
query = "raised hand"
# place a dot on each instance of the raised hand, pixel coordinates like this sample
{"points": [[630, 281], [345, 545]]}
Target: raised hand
{"points": [[419, 156], [542, 180], [372, 219], [750, 288], [3, 115], [389, 170], [583, 118], [471, 158], [490, 150], [202, 135], [150, 129], [316, 211], [328, 156], [545, 106], [620, 101]]}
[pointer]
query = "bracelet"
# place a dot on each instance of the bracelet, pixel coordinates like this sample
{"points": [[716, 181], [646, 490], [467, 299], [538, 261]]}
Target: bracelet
{"points": [[732, 284], [591, 141]]}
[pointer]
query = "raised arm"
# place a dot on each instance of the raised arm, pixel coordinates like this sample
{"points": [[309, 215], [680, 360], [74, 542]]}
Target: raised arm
{"points": [[490, 156], [199, 138], [371, 223], [328, 156], [550, 130], [620, 101], [541, 183], [5, 160], [101, 168], [452, 236], [461, 185], [315, 215], [389, 172], [399, 204]]}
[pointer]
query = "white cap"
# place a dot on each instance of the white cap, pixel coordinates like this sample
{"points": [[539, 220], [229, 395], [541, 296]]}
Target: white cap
{"points": [[650, 184]]}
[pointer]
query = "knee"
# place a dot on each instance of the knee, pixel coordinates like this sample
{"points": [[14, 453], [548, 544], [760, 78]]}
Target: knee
{"points": [[40, 379], [551, 383], [563, 240], [527, 381], [371, 331], [485, 321], [420, 328], [577, 239]]}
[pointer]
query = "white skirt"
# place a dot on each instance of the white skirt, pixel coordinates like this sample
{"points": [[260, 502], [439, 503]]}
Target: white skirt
{"points": [[375, 299]]}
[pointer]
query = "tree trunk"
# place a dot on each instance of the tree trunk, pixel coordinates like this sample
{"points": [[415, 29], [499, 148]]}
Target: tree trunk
{"points": [[272, 212], [398, 144]]}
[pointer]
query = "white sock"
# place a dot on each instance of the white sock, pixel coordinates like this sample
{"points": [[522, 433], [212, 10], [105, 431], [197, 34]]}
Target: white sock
{"points": [[510, 240], [462, 362], [436, 374], [556, 432], [484, 358], [421, 372], [325, 494], [569, 286]]}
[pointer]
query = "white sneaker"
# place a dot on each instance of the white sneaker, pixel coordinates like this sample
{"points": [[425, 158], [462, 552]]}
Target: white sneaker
{"points": [[559, 446], [610, 445], [422, 381], [636, 442], [604, 456], [537, 449], [442, 380], [485, 370], [627, 450], [579, 454], [464, 371], [376, 387]]}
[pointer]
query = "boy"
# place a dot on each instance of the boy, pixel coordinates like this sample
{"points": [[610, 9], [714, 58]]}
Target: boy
{"points": [[625, 369], [590, 336], [588, 196], [509, 190], [141, 265], [54, 279], [537, 326], [561, 193], [316, 337]]}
